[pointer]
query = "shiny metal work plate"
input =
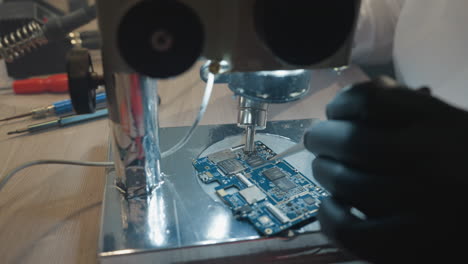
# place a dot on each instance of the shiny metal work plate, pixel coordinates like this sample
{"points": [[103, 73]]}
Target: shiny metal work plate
{"points": [[182, 222]]}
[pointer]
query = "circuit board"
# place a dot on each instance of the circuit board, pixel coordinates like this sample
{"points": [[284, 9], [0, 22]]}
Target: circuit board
{"points": [[271, 194]]}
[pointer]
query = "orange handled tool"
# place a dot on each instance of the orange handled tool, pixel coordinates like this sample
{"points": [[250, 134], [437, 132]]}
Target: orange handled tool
{"points": [[53, 84]]}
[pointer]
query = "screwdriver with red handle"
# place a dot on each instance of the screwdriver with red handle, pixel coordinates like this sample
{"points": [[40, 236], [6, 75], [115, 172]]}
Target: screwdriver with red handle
{"points": [[57, 83]]}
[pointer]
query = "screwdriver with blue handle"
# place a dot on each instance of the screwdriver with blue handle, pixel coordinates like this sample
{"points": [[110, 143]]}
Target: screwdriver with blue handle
{"points": [[58, 108], [61, 122]]}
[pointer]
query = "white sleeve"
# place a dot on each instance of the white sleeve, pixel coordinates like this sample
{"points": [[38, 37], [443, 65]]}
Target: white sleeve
{"points": [[373, 42]]}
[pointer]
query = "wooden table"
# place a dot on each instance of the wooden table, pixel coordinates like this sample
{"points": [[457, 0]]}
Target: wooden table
{"points": [[51, 213]]}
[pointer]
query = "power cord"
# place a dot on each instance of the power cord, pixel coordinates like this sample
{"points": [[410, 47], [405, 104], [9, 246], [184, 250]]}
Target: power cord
{"points": [[11, 173], [201, 113]]}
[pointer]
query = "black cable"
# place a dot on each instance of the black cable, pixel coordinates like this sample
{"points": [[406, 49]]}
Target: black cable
{"points": [[58, 28]]}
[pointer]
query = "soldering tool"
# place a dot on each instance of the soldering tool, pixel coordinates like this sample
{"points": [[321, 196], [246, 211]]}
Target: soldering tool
{"points": [[61, 122], [58, 108]]}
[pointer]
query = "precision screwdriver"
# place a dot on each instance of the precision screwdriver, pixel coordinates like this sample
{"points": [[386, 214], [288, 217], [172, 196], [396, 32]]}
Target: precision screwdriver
{"points": [[290, 151], [53, 84], [61, 122], [57, 108]]}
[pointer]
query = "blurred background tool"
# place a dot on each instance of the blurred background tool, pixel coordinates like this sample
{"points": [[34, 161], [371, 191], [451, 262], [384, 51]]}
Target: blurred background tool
{"points": [[33, 32], [87, 39], [57, 83], [57, 108], [61, 122]]}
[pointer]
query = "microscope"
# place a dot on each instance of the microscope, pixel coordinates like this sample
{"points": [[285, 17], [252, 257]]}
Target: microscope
{"points": [[154, 209]]}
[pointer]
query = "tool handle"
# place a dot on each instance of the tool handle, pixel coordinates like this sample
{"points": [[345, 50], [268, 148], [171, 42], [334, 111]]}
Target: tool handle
{"points": [[101, 98], [70, 120], [65, 106], [55, 84]]}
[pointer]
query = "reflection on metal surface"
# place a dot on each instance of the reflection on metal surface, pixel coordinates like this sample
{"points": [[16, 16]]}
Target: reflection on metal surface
{"points": [[136, 133], [219, 226], [119, 252], [252, 113], [252, 116], [271, 87], [280, 74], [265, 86], [249, 139], [157, 221], [179, 215], [222, 73]]}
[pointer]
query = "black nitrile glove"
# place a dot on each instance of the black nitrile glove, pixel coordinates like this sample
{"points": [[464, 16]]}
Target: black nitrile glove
{"points": [[399, 156]]}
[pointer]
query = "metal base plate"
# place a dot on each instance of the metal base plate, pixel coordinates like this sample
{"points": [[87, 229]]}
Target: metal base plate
{"points": [[182, 222]]}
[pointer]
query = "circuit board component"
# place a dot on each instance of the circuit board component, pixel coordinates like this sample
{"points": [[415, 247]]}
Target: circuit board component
{"points": [[274, 173], [231, 166], [255, 161], [252, 194], [272, 195]]}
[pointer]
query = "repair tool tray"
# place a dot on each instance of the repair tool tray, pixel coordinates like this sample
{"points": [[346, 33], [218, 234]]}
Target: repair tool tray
{"points": [[270, 194]]}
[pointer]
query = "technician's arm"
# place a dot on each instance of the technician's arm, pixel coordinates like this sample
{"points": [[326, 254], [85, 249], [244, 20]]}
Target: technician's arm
{"points": [[373, 43], [400, 157]]}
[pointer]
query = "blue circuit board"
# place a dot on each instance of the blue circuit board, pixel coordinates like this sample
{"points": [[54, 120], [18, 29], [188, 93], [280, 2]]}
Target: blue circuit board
{"points": [[272, 195]]}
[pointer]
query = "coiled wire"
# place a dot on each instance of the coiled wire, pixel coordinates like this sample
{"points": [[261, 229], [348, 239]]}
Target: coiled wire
{"points": [[24, 40]]}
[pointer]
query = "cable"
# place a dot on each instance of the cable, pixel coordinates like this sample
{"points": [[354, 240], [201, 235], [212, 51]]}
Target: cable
{"points": [[11, 173], [58, 28], [201, 113]]}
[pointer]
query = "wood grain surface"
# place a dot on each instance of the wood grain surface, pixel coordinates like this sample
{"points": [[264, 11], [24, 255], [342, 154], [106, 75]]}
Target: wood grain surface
{"points": [[51, 213]]}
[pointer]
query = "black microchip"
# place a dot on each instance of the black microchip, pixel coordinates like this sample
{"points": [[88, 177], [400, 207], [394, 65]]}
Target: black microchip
{"points": [[255, 161], [244, 209], [309, 200], [274, 174], [284, 184], [231, 166]]}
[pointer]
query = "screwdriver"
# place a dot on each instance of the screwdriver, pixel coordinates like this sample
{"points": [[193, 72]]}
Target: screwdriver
{"points": [[53, 84], [57, 108], [61, 122]]}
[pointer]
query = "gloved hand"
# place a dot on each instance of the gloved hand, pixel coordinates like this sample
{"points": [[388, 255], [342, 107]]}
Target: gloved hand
{"points": [[400, 157]]}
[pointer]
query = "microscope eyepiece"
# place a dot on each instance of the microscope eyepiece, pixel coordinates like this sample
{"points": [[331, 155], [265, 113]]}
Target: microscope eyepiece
{"points": [[160, 39], [303, 33]]}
